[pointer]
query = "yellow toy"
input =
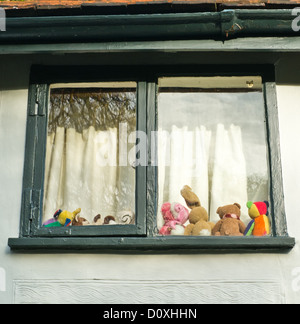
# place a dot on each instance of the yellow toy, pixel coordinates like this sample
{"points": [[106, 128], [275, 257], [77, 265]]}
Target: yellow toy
{"points": [[65, 217]]}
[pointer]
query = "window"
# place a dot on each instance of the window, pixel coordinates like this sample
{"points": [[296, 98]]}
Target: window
{"points": [[118, 142], [90, 139], [212, 137]]}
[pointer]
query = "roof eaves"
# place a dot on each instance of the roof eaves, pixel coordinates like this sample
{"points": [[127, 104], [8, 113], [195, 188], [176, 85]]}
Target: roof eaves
{"points": [[100, 7], [52, 4]]}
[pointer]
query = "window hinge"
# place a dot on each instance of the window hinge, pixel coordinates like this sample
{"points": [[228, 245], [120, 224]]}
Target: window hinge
{"points": [[32, 209], [38, 99]]}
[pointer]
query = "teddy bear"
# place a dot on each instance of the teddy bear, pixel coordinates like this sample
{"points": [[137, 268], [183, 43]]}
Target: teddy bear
{"points": [[260, 223], [198, 216], [230, 223], [175, 216]]}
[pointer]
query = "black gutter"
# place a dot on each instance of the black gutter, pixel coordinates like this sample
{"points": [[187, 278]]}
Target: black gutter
{"points": [[223, 25]]}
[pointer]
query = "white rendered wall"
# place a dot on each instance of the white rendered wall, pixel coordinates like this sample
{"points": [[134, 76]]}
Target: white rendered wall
{"points": [[147, 278]]}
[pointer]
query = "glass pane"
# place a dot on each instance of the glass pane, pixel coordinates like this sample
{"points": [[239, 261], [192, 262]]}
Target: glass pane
{"points": [[211, 138], [91, 131]]}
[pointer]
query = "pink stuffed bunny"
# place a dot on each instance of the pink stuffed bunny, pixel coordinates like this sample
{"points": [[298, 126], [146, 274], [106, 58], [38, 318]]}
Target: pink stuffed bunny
{"points": [[175, 216]]}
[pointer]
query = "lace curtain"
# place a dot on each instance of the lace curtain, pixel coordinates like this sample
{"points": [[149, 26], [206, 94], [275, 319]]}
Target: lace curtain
{"points": [[82, 158]]}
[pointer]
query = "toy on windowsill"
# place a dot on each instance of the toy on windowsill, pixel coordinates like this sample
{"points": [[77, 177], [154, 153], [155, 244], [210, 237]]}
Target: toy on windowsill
{"points": [[198, 217], [175, 216], [65, 218], [52, 223], [260, 224], [80, 221], [62, 218], [230, 223]]}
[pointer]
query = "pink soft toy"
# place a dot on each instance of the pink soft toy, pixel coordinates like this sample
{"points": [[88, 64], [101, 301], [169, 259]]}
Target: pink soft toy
{"points": [[175, 216]]}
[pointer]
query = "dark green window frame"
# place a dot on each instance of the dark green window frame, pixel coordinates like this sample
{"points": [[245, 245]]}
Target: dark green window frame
{"points": [[33, 181], [143, 235]]}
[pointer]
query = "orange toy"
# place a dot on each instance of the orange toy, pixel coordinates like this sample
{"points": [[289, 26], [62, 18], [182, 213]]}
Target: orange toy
{"points": [[260, 224]]}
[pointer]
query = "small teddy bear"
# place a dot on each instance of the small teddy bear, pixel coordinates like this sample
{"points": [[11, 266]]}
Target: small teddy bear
{"points": [[198, 217], [175, 216], [230, 223]]}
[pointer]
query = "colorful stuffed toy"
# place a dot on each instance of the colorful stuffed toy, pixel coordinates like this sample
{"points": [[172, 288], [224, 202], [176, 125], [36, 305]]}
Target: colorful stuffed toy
{"points": [[62, 218], [230, 223], [198, 217], [65, 217], [260, 224], [52, 223], [175, 216]]}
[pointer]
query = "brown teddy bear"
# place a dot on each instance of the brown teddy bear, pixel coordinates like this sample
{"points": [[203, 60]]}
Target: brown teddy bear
{"points": [[198, 217], [230, 223]]}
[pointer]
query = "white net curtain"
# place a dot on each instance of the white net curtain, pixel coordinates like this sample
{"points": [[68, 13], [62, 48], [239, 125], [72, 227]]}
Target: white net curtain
{"points": [[83, 152], [214, 142]]}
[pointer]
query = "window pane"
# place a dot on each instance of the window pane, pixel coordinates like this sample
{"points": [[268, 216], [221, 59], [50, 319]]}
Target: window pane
{"points": [[212, 137], [91, 131]]}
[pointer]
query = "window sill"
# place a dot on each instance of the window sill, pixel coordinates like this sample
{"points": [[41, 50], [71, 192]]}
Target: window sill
{"points": [[155, 245]]}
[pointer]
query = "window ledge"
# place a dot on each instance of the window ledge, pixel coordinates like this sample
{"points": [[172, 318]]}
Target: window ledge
{"points": [[159, 245]]}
